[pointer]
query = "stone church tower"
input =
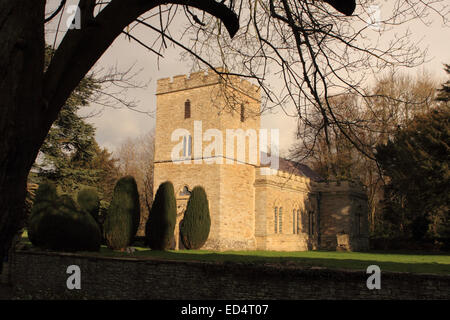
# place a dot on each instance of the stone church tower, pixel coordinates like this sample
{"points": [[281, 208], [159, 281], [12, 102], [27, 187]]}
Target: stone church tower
{"points": [[208, 134]]}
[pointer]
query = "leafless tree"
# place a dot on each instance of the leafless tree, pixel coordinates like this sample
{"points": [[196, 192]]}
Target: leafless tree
{"points": [[303, 53], [312, 59], [396, 99], [136, 159], [314, 50]]}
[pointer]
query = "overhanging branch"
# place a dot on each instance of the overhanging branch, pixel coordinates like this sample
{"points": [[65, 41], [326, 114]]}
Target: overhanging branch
{"points": [[80, 49]]}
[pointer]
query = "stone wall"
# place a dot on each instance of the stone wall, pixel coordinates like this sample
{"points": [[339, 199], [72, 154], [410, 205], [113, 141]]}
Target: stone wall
{"points": [[229, 187], [43, 276], [343, 211], [283, 242], [191, 175], [286, 191], [242, 198], [211, 102], [237, 207]]}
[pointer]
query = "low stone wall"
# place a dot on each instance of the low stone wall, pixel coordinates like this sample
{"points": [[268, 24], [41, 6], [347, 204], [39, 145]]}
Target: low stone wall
{"points": [[42, 275]]}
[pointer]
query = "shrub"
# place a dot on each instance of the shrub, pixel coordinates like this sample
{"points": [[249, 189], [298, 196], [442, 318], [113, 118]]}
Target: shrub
{"points": [[46, 192], [102, 213], [60, 225], [89, 201], [122, 220], [65, 227], [45, 196], [196, 223], [162, 218]]}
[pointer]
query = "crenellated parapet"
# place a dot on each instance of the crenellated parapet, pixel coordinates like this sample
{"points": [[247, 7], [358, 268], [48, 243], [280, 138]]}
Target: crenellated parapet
{"points": [[282, 179], [202, 78], [346, 186]]}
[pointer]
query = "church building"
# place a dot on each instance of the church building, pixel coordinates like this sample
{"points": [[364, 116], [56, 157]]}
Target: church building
{"points": [[208, 134]]}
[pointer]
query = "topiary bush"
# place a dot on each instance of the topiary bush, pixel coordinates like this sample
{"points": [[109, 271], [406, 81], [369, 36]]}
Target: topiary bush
{"points": [[196, 224], [124, 213], [45, 196], [102, 213], [57, 223], [162, 218], [89, 201], [65, 227]]}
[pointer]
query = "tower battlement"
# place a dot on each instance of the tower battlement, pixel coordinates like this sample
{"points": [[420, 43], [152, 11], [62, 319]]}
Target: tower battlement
{"points": [[202, 78], [252, 206], [340, 186]]}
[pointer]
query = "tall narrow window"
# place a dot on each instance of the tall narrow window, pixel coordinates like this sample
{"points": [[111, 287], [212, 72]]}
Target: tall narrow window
{"points": [[276, 220], [187, 146], [294, 220], [298, 221], [242, 113], [280, 220], [358, 214], [311, 223], [187, 109]]}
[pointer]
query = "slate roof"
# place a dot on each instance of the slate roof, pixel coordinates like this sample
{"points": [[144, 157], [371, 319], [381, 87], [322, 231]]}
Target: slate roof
{"points": [[296, 168]]}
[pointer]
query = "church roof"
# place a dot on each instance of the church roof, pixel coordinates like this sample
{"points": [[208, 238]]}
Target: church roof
{"points": [[296, 168]]}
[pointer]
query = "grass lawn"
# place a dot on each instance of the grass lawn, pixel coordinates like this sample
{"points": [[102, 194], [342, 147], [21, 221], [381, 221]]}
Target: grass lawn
{"points": [[404, 262], [388, 261]]}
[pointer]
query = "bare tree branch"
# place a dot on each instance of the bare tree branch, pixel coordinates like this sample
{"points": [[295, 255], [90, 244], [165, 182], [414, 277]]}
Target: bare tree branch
{"points": [[55, 13]]}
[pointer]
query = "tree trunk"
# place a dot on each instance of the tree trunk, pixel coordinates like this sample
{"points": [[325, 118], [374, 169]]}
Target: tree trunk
{"points": [[30, 101], [21, 68]]}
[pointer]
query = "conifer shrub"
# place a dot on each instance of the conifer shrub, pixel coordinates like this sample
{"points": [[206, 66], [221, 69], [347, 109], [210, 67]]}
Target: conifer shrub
{"points": [[196, 223], [162, 218], [58, 224], [89, 201], [67, 228], [123, 217], [46, 192], [45, 196], [102, 213]]}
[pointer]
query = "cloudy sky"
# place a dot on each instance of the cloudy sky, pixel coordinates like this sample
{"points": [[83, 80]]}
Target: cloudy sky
{"points": [[116, 125]]}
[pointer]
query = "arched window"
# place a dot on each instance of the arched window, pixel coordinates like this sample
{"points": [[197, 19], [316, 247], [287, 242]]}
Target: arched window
{"points": [[276, 220], [280, 220], [242, 113], [187, 109], [298, 221], [185, 191]]}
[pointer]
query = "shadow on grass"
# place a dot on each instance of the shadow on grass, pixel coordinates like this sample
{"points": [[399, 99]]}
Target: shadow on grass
{"points": [[396, 261], [434, 264]]}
